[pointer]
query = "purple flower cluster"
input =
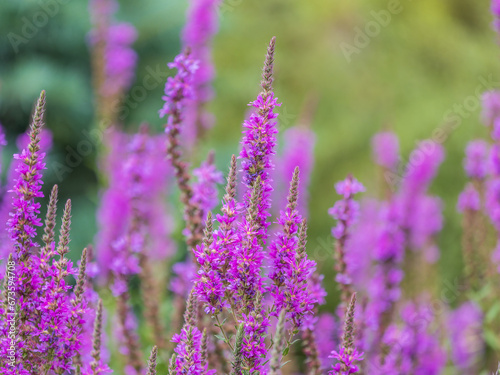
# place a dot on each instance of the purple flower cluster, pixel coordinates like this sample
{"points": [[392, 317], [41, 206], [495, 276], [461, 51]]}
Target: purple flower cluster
{"points": [[116, 40], [28, 186], [258, 144], [466, 336], [133, 216], [205, 188], [345, 211], [48, 318], [189, 357], [215, 255], [290, 269], [386, 150], [413, 347], [298, 152], [199, 31], [179, 89]]}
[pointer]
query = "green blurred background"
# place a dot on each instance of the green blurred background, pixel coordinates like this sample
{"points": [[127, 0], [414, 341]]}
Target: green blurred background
{"points": [[414, 70]]}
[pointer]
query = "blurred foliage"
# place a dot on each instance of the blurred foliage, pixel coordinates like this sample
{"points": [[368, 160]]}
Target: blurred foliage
{"points": [[428, 58]]}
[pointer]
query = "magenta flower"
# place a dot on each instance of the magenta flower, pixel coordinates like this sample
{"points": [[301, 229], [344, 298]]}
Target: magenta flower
{"points": [[205, 188], [179, 89], [495, 9], [28, 187], [199, 31], [476, 159], [290, 269], [490, 104], [259, 142], [298, 151], [216, 253], [254, 346], [386, 150], [133, 215], [466, 336], [345, 211], [3, 142], [413, 347], [346, 360], [120, 59], [469, 199]]}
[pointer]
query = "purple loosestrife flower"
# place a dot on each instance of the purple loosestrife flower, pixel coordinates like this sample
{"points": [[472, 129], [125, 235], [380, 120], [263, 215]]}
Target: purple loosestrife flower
{"points": [[298, 152], [388, 253], [259, 142], [28, 186], [469, 199], [347, 355], [185, 273], [421, 214], [290, 267], [345, 211], [3, 142], [133, 214], [491, 105], [476, 159], [248, 256], [327, 336], [22, 142], [495, 9], [49, 322], [386, 150], [492, 202], [210, 286], [466, 336], [200, 29], [413, 347], [255, 326], [116, 39], [214, 257], [205, 189], [188, 357], [178, 92], [363, 238], [179, 89]]}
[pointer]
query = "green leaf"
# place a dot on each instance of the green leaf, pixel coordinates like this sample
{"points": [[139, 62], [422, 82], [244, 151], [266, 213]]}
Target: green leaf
{"points": [[492, 312], [286, 350], [492, 340], [284, 363], [220, 337]]}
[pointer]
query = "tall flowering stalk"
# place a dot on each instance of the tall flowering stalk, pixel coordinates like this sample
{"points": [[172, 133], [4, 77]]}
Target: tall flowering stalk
{"points": [[345, 212], [188, 358], [347, 356], [97, 365], [290, 268], [113, 59], [414, 346], [199, 31], [28, 187], [246, 263], [259, 142], [205, 188], [9, 192], [48, 320], [298, 151], [3, 142], [469, 204], [178, 93], [465, 330]]}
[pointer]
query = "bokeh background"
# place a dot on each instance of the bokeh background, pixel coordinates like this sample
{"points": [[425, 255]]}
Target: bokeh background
{"points": [[429, 58]]}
